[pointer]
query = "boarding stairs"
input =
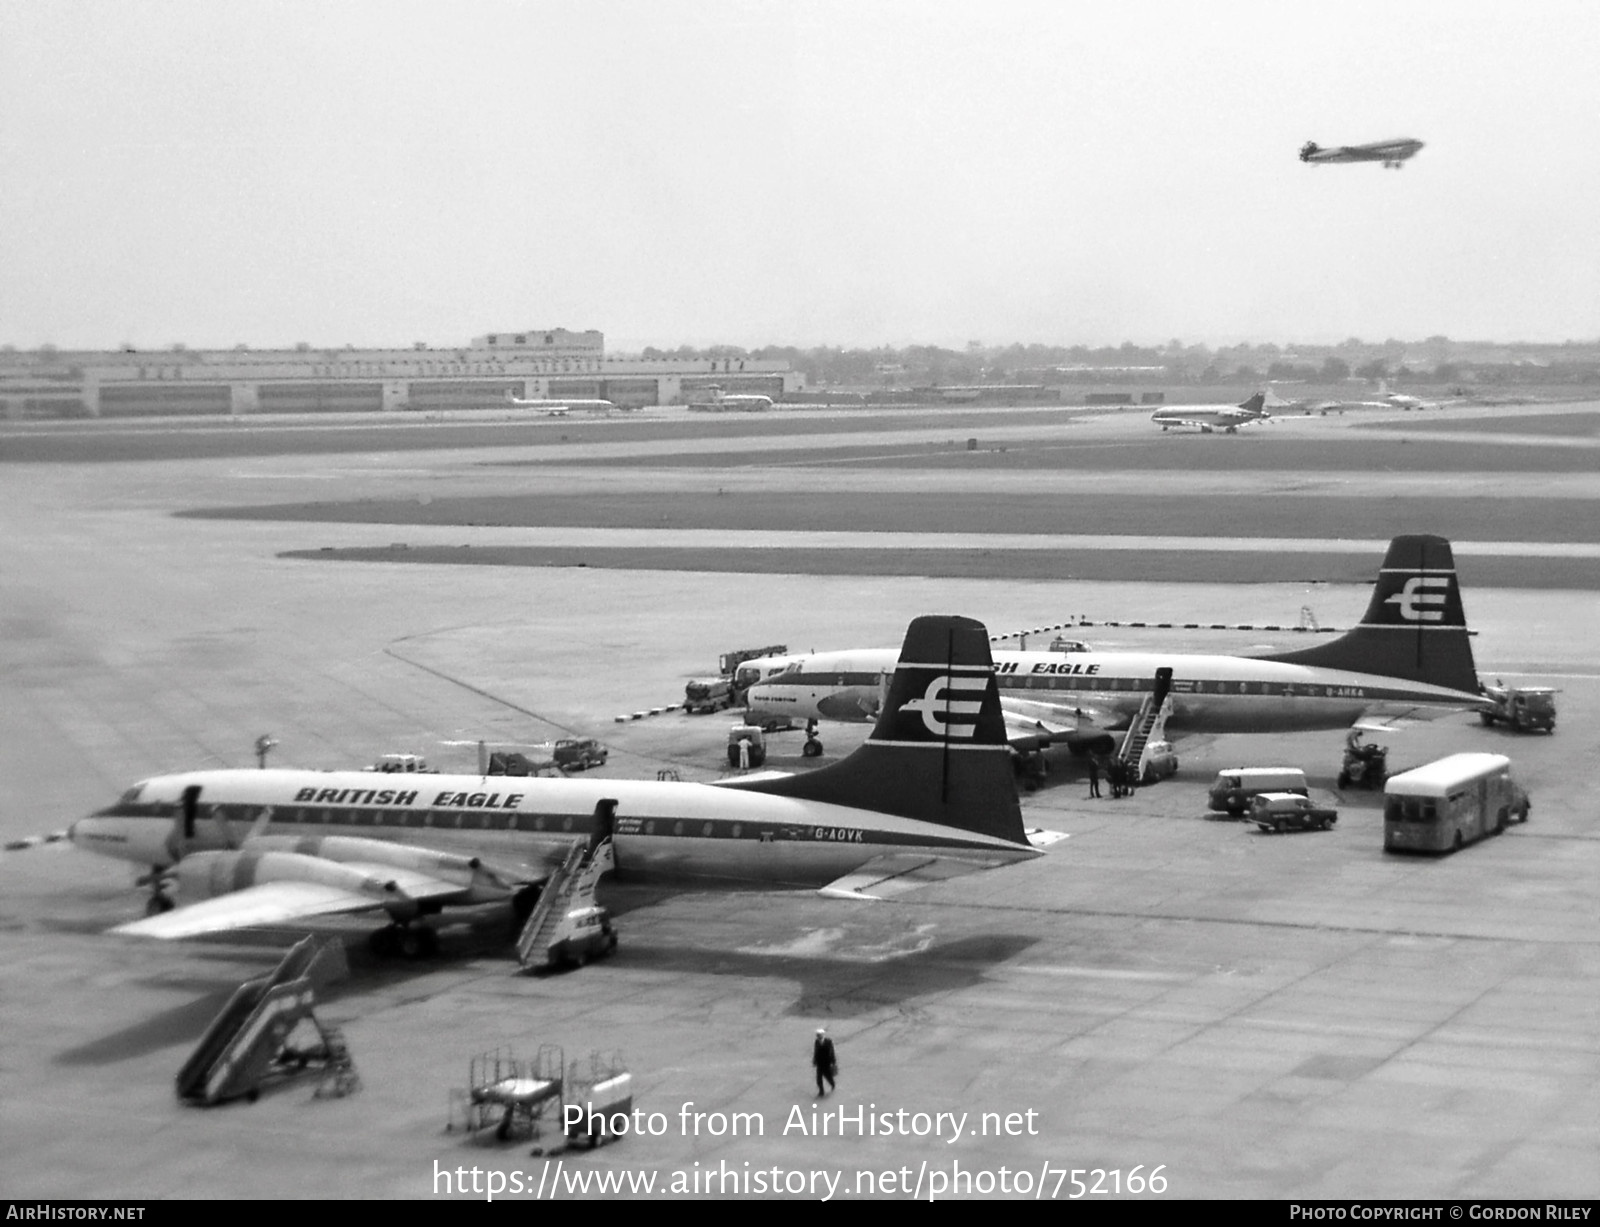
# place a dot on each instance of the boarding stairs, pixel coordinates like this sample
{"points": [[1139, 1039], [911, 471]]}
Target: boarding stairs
{"points": [[268, 1027], [570, 888], [1149, 725]]}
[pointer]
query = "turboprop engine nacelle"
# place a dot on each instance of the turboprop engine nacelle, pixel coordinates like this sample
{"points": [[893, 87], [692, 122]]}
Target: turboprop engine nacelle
{"points": [[205, 875], [483, 884]]}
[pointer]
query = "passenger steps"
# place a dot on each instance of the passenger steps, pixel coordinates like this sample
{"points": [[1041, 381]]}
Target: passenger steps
{"points": [[1148, 726], [259, 1032], [567, 904]]}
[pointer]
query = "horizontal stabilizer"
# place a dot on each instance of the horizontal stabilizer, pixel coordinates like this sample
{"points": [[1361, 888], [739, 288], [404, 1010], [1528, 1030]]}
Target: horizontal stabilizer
{"points": [[884, 877]]}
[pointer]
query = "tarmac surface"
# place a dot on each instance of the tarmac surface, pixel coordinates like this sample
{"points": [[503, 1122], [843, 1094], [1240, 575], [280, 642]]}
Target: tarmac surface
{"points": [[1255, 1016]]}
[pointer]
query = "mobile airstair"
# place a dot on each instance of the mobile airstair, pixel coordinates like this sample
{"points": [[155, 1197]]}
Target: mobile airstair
{"points": [[1148, 727], [566, 924], [268, 1030]]}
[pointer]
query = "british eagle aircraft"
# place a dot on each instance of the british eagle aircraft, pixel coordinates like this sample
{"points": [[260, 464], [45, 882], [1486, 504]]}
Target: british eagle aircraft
{"points": [[928, 795], [1211, 418], [1390, 153], [1410, 658]]}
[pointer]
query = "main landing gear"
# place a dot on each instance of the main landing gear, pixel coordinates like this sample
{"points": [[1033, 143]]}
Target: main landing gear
{"points": [[407, 941], [159, 901], [813, 746]]}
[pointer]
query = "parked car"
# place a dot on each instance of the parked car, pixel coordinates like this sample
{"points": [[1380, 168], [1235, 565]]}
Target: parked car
{"points": [[579, 753], [1286, 811]]}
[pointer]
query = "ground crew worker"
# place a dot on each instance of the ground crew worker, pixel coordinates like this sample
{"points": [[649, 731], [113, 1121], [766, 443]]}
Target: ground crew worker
{"points": [[744, 754], [1094, 776], [823, 1060]]}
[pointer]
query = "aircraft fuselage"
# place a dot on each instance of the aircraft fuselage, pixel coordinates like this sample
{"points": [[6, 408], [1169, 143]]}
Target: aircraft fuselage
{"points": [[662, 830], [1211, 694]]}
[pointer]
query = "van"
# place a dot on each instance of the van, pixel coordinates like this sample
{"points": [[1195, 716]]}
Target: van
{"points": [[1232, 789]]}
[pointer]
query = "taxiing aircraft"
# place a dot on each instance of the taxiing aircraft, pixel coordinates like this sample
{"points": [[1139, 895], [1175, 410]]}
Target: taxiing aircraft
{"points": [[1410, 658], [1390, 153], [1211, 418], [560, 408], [928, 795]]}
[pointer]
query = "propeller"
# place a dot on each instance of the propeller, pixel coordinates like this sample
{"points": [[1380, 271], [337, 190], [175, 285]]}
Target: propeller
{"points": [[36, 841]]}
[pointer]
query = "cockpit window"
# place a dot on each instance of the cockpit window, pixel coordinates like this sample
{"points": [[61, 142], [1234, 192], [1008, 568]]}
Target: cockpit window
{"points": [[131, 797]]}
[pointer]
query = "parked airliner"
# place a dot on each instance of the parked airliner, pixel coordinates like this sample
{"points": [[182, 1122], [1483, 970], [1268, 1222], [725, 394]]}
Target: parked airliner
{"points": [[1409, 658], [928, 794]]}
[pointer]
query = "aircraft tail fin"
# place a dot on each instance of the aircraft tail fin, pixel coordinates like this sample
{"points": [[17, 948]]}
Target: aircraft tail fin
{"points": [[1256, 404], [938, 752], [1415, 627]]}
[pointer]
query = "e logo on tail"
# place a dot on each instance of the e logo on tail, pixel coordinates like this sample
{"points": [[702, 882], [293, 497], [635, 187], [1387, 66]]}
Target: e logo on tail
{"points": [[937, 703], [1412, 599]]}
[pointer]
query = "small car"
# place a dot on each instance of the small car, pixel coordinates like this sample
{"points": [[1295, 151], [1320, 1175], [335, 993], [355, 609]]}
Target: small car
{"points": [[579, 753], [1286, 811]]}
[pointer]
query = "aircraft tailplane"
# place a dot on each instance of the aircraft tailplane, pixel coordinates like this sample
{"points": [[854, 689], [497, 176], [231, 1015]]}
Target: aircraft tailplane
{"points": [[1415, 627], [938, 752]]}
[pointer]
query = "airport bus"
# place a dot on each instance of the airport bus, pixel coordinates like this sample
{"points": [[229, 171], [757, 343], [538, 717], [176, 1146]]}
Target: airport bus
{"points": [[1440, 806]]}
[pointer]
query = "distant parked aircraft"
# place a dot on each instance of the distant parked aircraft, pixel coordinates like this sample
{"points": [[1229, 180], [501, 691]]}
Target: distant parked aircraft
{"points": [[559, 408], [1390, 153]]}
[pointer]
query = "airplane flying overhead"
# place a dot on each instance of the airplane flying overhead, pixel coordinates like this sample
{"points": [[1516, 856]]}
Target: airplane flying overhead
{"points": [[1390, 153], [928, 795], [1211, 418], [1409, 658]]}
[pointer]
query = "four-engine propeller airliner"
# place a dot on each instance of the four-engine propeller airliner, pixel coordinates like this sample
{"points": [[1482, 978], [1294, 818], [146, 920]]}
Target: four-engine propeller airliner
{"points": [[928, 795], [1210, 418], [1390, 153], [1409, 658]]}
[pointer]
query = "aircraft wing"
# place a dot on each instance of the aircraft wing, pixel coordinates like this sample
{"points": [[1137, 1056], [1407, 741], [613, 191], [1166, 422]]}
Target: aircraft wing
{"points": [[1032, 725], [895, 873], [286, 900], [266, 904]]}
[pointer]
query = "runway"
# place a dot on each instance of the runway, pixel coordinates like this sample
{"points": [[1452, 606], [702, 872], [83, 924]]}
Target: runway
{"points": [[1257, 1016]]}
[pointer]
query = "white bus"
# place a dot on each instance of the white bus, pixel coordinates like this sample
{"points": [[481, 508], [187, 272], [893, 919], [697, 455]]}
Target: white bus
{"points": [[1440, 806]]}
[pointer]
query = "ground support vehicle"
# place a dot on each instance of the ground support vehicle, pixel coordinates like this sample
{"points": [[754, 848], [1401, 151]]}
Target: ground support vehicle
{"points": [[1446, 804], [1160, 762], [709, 694], [586, 933], [1364, 767], [1289, 811], [747, 746], [1234, 787], [579, 753], [1528, 709]]}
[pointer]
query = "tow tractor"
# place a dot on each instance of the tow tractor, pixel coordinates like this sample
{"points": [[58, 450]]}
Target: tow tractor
{"points": [[1364, 766]]}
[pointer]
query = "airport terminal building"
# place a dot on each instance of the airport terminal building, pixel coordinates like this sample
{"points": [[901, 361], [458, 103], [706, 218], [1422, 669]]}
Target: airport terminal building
{"points": [[536, 364]]}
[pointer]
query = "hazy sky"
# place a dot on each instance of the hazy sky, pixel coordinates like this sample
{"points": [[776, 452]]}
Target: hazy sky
{"points": [[795, 173]]}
